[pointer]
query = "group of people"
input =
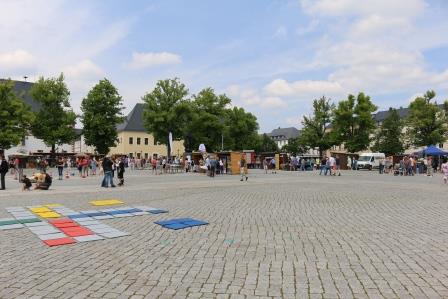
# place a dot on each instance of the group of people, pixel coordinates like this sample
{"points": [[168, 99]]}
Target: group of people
{"points": [[330, 165]]}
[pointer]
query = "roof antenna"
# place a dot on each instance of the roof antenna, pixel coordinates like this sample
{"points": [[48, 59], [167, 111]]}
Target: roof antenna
{"points": [[25, 77]]}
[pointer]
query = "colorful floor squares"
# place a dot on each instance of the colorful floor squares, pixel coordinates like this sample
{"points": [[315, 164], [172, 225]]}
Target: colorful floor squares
{"points": [[180, 223], [59, 241], [107, 202], [55, 224]]}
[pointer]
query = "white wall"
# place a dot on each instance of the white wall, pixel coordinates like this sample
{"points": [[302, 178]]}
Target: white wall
{"points": [[33, 145]]}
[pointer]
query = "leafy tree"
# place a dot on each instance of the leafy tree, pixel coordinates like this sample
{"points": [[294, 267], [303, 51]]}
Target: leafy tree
{"points": [[15, 116], [353, 122], [426, 122], [101, 113], [54, 122], [295, 146], [241, 129], [315, 131], [388, 138], [264, 144], [207, 120], [167, 110]]}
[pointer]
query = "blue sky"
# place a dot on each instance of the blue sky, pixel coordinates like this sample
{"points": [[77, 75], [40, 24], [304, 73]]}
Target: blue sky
{"points": [[271, 57]]}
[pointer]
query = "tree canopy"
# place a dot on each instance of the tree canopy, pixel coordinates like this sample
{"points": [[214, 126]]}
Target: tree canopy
{"points": [[15, 116], [388, 138], [426, 122], [55, 121], [315, 132], [264, 144], [353, 122], [167, 110], [207, 119], [101, 114]]}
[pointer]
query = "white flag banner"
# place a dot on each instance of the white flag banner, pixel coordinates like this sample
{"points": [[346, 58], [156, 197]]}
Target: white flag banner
{"points": [[170, 140]]}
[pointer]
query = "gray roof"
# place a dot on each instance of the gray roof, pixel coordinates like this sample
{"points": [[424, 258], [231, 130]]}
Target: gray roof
{"points": [[22, 90], [134, 120], [284, 133], [381, 115]]}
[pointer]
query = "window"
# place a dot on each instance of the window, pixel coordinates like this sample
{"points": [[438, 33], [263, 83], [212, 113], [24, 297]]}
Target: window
{"points": [[131, 155], [138, 156], [138, 140], [154, 141], [146, 141], [146, 154], [131, 140]]}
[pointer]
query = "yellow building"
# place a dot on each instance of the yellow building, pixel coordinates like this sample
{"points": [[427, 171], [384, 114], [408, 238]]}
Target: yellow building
{"points": [[133, 140]]}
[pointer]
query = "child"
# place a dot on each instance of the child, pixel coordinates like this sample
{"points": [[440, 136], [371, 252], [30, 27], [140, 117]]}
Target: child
{"points": [[445, 171], [26, 183]]}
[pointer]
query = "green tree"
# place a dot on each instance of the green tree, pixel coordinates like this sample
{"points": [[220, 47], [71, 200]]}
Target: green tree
{"points": [[55, 120], [388, 138], [426, 122], [353, 122], [241, 129], [315, 132], [264, 144], [15, 116], [207, 120], [101, 114], [167, 110], [295, 147]]}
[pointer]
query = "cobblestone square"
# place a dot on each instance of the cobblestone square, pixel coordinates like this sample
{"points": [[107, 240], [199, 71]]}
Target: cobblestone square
{"points": [[285, 235]]}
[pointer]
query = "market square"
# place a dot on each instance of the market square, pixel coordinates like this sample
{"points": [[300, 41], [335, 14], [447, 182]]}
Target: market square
{"points": [[285, 235]]}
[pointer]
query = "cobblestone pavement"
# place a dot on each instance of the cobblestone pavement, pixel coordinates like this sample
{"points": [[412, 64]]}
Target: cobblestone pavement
{"points": [[289, 235]]}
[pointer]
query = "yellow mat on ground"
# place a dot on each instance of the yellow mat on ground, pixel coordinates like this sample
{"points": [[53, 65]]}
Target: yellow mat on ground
{"points": [[40, 210], [52, 205], [107, 202], [49, 215]]}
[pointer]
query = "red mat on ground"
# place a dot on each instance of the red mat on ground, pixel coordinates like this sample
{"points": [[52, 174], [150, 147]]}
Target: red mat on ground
{"points": [[76, 231], [58, 221], [60, 241], [65, 224]]}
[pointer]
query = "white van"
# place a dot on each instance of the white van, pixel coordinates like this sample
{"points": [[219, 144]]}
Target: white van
{"points": [[369, 160]]}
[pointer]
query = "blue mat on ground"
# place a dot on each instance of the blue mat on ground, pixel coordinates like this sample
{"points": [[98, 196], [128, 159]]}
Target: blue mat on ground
{"points": [[78, 216], [158, 211], [180, 223], [95, 214]]}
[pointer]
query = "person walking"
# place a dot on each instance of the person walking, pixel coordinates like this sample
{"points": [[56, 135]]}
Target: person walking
{"points": [[273, 166], [338, 166], [445, 171], [3, 171], [107, 168], [429, 169], [243, 168], [60, 165], [120, 172]]}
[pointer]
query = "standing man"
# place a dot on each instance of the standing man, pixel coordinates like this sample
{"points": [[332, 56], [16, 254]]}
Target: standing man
{"points": [[120, 171], [107, 167], [243, 168], [3, 171]]}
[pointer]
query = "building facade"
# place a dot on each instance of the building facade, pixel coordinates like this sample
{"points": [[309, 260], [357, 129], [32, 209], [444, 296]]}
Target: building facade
{"points": [[134, 141], [281, 136]]}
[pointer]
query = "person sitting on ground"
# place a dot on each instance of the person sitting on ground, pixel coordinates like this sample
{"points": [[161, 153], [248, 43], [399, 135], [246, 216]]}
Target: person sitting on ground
{"points": [[26, 183], [43, 181]]}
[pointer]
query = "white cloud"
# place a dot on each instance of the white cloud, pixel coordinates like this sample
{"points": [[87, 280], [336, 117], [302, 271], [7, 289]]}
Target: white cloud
{"points": [[273, 103], [252, 97], [376, 25], [308, 28], [303, 88], [366, 7], [84, 69], [150, 59], [17, 60], [281, 32]]}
